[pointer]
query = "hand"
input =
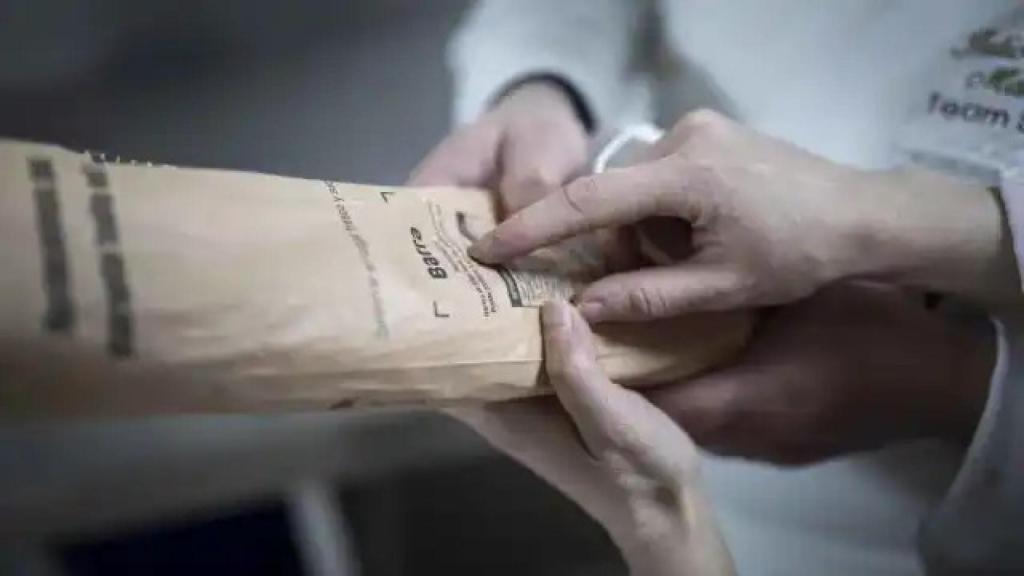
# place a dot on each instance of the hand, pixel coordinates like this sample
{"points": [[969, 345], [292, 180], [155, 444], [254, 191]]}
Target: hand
{"points": [[853, 368], [620, 458], [770, 224], [528, 145]]}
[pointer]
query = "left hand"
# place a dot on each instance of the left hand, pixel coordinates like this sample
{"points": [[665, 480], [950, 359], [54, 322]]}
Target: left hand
{"points": [[855, 367], [616, 455]]}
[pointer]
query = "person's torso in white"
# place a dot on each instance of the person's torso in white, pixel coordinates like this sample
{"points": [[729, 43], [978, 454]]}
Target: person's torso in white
{"points": [[834, 76], [838, 80]]}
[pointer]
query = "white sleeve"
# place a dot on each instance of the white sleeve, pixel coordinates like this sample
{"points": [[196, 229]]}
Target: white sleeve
{"points": [[979, 527], [593, 45]]}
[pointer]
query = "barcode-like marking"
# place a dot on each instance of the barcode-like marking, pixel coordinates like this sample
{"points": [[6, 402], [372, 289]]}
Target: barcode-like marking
{"points": [[120, 320], [59, 316]]}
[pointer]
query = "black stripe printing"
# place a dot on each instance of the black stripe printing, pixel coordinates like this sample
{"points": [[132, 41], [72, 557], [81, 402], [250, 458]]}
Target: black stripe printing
{"points": [[120, 320], [59, 316]]}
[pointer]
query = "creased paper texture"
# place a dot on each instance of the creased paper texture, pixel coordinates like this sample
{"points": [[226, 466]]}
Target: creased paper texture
{"points": [[131, 289]]}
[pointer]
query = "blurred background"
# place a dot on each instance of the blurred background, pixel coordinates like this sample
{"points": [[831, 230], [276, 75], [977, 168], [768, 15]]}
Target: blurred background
{"points": [[352, 90]]}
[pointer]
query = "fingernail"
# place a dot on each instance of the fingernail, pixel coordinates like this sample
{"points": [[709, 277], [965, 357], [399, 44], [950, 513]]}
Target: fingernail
{"points": [[554, 316], [482, 248], [591, 310]]}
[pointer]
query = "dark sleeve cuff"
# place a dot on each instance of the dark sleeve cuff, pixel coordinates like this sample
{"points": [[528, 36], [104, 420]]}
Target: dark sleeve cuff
{"points": [[579, 104]]}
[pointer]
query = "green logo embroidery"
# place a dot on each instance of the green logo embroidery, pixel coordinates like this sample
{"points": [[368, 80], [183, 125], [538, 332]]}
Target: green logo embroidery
{"points": [[1005, 80], [993, 42]]}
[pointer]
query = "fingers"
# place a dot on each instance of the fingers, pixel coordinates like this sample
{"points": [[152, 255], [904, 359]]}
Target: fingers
{"points": [[613, 422], [707, 406], [750, 410], [535, 162], [614, 198], [660, 292], [527, 163], [466, 158], [587, 395]]}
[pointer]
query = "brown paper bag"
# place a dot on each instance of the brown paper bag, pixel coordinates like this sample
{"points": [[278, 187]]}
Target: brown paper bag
{"points": [[130, 289]]}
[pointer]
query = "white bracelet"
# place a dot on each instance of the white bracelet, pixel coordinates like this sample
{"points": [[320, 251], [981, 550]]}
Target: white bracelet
{"points": [[643, 133]]}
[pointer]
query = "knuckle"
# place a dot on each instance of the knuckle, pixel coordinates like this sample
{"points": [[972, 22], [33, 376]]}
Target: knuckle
{"points": [[702, 122], [702, 136], [647, 303], [573, 194], [700, 173]]}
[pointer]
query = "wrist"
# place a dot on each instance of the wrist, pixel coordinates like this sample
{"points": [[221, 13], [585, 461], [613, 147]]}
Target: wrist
{"points": [[920, 229]]}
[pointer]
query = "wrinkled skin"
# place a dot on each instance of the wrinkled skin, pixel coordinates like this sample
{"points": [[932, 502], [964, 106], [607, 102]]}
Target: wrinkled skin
{"points": [[614, 453], [843, 368], [769, 224], [852, 368]]}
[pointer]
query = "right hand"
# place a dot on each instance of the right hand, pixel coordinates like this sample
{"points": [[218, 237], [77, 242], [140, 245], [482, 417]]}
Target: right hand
{"points": [[525, 147], [762, 222], [624, 461]]}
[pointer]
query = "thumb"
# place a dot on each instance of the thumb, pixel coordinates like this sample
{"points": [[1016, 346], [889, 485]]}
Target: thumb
{"points": [[660, 292], [613, 422], [537, 434], [570, 360]]}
